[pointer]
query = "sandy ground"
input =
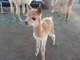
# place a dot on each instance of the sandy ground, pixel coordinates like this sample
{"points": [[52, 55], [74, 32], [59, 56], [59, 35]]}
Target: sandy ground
{"points": [[18, 43]]}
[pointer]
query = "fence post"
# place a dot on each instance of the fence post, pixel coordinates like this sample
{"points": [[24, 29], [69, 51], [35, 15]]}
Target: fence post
{"points": [[1, 7]]}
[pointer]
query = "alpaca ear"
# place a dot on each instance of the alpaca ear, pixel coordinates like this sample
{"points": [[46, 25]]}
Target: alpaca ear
{"points": [[39, 10], [29, 7]]}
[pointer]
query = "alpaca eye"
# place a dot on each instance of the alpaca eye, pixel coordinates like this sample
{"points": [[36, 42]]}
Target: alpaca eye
{"points": [[34, 18]]}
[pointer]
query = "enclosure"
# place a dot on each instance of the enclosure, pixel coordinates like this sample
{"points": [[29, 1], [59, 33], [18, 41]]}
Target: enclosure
{"points": [[17, 41]]}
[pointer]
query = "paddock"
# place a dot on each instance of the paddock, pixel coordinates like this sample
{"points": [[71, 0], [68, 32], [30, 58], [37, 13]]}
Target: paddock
{"points": [[17, 41]]}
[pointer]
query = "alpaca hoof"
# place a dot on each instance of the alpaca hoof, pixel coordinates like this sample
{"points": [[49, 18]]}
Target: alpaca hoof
{"points": [[21, 20], [53, 44], [52, 11], [36, 54]]}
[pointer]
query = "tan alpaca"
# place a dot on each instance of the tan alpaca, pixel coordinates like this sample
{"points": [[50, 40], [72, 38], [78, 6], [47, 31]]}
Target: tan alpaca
{"points": [[17, 3], [66, 5], [41, 29]]}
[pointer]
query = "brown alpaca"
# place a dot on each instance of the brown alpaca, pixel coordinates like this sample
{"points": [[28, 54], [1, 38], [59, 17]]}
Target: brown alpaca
{"points": [[41, 29], [66, 5]]}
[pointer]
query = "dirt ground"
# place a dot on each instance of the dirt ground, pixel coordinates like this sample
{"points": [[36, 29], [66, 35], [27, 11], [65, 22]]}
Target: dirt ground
{"points": [[17, 41]]}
